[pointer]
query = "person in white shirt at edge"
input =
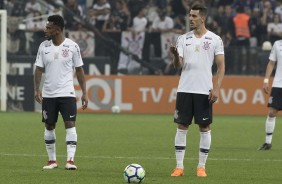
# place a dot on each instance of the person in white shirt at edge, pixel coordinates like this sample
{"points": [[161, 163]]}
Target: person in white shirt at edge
{"points": [[275, 98], [57, 57], [162, 23], [195, 53], [139, 22]]}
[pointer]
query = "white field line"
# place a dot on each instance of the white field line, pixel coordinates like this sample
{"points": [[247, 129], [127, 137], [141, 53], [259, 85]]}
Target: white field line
{"points": [[143, 158]]}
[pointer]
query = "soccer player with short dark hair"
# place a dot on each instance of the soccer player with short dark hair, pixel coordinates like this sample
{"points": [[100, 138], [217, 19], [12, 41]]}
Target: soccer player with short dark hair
{"points": [[195, 53], [56, 58]]}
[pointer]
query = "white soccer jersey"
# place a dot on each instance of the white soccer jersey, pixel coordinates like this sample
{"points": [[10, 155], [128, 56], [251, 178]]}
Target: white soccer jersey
{"points": [[139, 24], [58, 62], [198, 55], [102, 7], [167, 23], [276, 56]]}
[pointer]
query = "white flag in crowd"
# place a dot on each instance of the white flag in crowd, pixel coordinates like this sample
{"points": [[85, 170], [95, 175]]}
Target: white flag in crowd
{"points": [[166, 40], [134, 43], [86, 42]]}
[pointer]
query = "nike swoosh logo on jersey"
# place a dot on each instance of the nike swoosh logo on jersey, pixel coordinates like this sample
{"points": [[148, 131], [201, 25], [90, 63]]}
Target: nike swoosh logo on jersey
{"points": [[47, 52]]}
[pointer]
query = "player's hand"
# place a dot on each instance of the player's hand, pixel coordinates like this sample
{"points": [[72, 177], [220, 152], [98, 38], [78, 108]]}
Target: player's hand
{"points": [[84, 101], [173, 50], [265, 87], [38, 96], [213, 95], [175, 60]]}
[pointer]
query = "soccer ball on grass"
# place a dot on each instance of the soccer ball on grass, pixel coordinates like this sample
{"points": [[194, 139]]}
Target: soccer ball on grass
{"points": [[134, 173], [115, 109]]}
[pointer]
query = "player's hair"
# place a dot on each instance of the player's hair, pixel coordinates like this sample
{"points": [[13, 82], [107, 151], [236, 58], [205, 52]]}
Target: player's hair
{"points": [[203, 10], [57, 20]]}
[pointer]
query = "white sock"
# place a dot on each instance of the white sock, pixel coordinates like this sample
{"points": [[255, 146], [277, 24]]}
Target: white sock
{"points": [[71, 139], [50, 143], [205, 144], [180, 146], [269, 129]]}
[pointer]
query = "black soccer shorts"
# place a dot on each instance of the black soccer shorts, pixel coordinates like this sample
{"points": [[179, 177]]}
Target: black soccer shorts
{"points": [[52, 106], [275, 98], [189, 106]]}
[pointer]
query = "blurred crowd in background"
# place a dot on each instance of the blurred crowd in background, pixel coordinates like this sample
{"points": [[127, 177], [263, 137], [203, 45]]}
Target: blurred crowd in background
{"points": [[246, 51]]}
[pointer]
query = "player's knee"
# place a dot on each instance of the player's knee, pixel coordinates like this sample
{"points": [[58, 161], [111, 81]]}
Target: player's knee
{"points": [[182, 126], [272, 113], [49, 127], [69, 124], [204, 128]]}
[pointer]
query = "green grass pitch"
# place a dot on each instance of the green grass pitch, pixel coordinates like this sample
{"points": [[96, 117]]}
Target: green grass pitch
{"points": [[107, 143]]}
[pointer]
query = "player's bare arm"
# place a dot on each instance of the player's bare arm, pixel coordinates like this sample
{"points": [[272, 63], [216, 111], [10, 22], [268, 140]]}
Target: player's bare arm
{"points": [[214, 93], [82, 83], [269, 69], [37, 80], [177, 60]]}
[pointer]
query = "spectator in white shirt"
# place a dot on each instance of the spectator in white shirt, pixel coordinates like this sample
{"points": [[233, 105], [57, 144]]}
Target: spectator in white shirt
{"points": [[140, 21], [31, 7], [102, 10], [274, 29], [162, 23]]}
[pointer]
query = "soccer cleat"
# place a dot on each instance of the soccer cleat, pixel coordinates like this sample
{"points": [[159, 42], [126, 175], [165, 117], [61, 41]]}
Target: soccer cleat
{"points": [[52, 164], [265, 146], [70, 165], [201, 172], [177, 172]]}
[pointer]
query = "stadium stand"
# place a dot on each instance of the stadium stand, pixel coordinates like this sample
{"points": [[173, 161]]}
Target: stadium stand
{"points": [[107, 28]]}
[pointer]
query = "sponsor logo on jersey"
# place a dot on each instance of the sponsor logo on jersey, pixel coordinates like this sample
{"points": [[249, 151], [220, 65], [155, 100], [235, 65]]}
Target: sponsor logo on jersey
{"points": [[77, 50], [208, 38], [48, 44]]}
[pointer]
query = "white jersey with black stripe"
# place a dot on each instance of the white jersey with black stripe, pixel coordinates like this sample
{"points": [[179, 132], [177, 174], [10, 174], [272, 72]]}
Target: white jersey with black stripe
{"points": [[58, 63], [198, 56], [276, 56]]}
